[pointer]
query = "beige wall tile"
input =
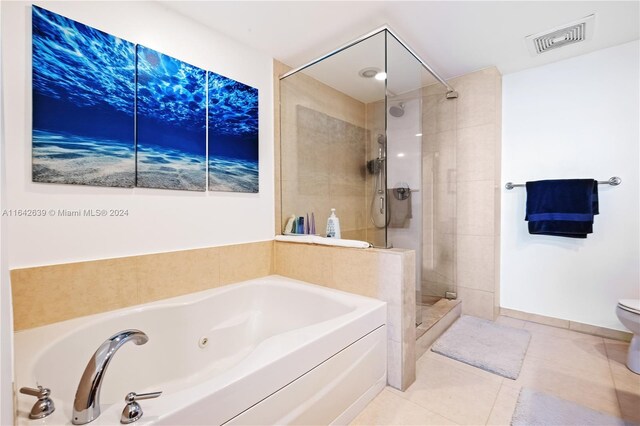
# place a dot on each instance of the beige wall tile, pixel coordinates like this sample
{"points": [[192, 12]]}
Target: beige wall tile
{"points": [[304, 262], [475, 153], [242, 262], [355, 271], [323, 152], [476, 103], [476, 303], [600, 331], [475, 262], [47, 294], [165, 275], [534, 318], [475, 208]]}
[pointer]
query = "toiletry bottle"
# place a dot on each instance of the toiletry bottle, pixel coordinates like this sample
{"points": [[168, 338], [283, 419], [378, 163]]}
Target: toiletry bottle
{"points": [[300, 229], [312, 229], [333, 225], [289, 228], [307, 227]]}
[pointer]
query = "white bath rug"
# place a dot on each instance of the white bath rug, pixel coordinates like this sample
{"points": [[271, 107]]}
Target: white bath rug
{"points": [[485, 344], [540, 409]]}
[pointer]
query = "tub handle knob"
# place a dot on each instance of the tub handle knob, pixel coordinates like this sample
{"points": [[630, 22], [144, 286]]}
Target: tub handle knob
{"points": [[43, 406], [133, 411]]}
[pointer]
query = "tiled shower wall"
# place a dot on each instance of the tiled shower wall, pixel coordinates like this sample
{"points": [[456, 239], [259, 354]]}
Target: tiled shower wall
{"points": [[322, 154], [461, 180]]}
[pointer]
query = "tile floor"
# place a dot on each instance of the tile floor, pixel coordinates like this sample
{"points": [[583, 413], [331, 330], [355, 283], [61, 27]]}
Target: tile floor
{"points": [[577, 367]]}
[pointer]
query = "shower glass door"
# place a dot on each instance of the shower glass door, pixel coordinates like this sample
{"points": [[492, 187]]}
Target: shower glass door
{"points": [[405, 78]]}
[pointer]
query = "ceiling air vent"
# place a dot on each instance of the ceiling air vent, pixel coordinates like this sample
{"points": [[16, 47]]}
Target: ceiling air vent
{"points": [[570, 33]]}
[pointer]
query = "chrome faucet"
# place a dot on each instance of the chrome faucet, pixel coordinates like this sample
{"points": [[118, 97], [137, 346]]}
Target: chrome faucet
{"points": [[86, 406]]}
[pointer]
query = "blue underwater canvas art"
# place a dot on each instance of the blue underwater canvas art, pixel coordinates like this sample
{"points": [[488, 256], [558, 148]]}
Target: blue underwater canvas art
{"points": [[171, 123], [233, 135], [83, 104]]}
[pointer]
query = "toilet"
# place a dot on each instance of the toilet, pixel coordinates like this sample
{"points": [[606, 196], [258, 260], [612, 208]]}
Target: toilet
{"points": [[628, 312]]}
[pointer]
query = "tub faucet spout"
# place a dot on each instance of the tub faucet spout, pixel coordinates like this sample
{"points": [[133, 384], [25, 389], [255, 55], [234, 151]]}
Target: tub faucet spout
{"points": [[86, 406]]}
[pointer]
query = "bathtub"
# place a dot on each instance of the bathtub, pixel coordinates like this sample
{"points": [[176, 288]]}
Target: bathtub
{"points": [[266, 351]]}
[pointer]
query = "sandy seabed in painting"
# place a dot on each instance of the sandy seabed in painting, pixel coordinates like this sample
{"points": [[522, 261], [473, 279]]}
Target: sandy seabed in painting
{"points": [[166, 168], [69, 159], [233, 175]]}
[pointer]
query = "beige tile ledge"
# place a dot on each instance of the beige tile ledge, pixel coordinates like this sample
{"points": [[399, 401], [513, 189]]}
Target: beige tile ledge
{"points": [[594, 330], [46, 294]]}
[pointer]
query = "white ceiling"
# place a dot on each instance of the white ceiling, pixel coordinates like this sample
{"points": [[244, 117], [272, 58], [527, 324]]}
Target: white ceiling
{"points": [[454, 37]]}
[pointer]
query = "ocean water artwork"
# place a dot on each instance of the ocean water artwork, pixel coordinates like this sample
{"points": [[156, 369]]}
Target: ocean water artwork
{"points": [[171, 122], [233, 135], [83, 104]]}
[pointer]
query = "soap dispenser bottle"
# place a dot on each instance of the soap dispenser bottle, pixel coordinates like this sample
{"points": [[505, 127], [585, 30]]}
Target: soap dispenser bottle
{"points": [[333, 225]]}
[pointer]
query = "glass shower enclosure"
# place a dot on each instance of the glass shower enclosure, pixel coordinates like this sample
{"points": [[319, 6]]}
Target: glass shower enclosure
{"points": [[355, 133]]}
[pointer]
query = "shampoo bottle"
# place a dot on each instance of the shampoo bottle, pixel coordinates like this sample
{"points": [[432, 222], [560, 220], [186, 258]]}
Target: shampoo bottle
{"points": [[289, 228], [333, 225]]}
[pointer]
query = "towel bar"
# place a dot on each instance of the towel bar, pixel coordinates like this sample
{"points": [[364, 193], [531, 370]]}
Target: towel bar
{"points": [[613, 181]]}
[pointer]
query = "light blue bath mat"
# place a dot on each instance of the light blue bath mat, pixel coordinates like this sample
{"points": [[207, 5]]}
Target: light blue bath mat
{"points": [[540, 409], [484, 344]]}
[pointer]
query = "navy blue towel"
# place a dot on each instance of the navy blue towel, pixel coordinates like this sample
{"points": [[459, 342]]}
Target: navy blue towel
{"points": [[563, 208]]}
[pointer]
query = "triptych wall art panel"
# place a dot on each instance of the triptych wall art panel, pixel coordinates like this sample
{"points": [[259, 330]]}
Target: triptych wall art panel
{"points": [[233, 135], [107, 112], [83, 104], [171, 122]]}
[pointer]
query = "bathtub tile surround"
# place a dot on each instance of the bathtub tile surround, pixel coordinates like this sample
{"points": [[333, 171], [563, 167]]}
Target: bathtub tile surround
{"points": [[461, 146], [450, 392], [388, 275], [48, 294]]}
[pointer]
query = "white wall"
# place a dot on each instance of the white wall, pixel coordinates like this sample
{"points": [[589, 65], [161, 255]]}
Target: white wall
{"points": [[6, 323], [158, 220], [572, 119]]}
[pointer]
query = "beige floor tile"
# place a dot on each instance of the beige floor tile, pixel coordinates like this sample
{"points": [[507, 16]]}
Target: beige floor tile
{"points": [[390, 409], [586, 353], [629, 405], [461, 396], [594, 389], [510, 322], [627, 383], [504, 406]]}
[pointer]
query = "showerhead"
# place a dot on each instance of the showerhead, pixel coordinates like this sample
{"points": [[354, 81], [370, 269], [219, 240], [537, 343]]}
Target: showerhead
{"points": [[397, 110]]}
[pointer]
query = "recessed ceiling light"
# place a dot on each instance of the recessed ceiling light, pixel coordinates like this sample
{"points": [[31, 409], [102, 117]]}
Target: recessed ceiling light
{"points": [[369, 72]]}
